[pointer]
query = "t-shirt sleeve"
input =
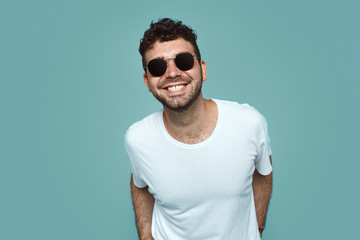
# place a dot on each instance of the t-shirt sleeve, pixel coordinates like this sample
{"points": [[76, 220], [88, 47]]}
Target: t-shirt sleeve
{"points": [[138, 181], [262, 161]]}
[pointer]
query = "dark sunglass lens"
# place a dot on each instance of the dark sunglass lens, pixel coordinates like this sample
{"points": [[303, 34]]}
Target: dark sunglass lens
{"points": [[184, 61], [157, 67]]}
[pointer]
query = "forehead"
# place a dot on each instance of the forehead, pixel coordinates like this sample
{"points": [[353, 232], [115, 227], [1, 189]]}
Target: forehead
{"points": [[168, 49]]}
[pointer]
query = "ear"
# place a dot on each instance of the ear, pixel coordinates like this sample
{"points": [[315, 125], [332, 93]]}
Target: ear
{"points": [[146, 81], [203, 69]]}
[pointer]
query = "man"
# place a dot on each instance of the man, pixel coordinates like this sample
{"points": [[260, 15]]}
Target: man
{"points": [[201, 169]]}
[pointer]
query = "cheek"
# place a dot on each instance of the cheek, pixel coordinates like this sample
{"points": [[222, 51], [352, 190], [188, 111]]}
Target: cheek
{"points": [[195, 73], [154, 84], [198, 74]]}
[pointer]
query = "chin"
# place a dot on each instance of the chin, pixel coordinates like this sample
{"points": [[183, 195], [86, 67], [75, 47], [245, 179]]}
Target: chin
{"points": [[180, 108], [181, 105]]}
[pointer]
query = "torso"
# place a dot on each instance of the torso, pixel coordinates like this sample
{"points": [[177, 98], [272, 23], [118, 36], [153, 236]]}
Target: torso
{"points": [[210, 180]]}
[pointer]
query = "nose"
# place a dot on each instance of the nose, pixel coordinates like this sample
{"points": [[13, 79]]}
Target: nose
{"points": [[172, 71]]}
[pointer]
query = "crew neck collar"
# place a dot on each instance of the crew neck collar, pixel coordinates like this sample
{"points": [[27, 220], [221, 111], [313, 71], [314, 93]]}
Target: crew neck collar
{"points": [[196, 145]]}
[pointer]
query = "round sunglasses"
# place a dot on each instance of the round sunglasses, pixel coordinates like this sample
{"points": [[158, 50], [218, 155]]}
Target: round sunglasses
{"points": [[184, 61]]}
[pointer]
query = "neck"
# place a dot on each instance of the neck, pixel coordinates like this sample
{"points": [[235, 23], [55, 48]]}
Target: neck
{"points": [[193, 125]]}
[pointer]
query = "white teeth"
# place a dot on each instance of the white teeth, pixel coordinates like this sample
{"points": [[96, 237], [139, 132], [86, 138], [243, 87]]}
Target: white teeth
{"points": [[175, 88]]}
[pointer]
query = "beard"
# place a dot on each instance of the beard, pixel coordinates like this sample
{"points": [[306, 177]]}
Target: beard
{"points": [[180, 105]]}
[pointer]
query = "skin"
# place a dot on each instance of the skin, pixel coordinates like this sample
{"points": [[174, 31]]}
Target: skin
{"points": [[143, 203], [177, 101], [189, 118], [262, 187]]}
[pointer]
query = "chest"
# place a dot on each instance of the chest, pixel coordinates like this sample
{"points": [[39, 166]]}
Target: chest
{"points": [[192, 176]]}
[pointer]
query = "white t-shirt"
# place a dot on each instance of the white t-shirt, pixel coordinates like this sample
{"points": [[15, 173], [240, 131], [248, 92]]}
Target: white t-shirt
{"points": [[203, 190]]}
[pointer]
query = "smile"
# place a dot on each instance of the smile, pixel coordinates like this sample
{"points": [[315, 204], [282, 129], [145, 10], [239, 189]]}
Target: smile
{"points": [[175, 88]]}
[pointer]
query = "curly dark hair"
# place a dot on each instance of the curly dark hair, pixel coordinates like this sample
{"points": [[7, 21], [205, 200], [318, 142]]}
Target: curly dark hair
{"points": [[166, 29]]}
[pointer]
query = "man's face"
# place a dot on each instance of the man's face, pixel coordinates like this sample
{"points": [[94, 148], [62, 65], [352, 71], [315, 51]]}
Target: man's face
{"points": [[175, 89]]}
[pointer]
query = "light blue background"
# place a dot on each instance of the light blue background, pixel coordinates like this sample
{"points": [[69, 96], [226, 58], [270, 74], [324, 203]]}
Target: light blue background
{"points": [[71, 84]]}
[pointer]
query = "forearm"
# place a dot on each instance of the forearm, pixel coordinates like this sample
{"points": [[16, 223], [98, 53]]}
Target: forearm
{"points": [[143, 202], [262, 187]]}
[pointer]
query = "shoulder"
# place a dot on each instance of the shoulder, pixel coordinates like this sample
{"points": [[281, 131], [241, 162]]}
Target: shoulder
{"points": [[142, 129], [241, 111]]}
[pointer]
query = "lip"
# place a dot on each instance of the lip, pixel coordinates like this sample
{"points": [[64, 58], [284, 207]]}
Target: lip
{"points": [[175, 92], [175, 84]]}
